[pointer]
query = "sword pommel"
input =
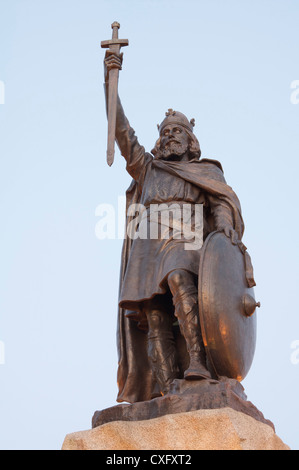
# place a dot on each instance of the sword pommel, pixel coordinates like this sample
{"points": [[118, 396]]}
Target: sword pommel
{"points": [[116, 25]]}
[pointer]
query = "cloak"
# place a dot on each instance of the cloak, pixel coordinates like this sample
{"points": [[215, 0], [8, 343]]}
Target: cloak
{"points": [[134, 376]]}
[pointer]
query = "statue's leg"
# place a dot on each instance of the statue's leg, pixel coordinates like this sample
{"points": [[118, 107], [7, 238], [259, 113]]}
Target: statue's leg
{"points": [[161, 348], [185, 300]]}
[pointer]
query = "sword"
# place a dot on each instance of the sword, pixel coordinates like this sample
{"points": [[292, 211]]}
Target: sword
{"points": [[114, 45]]}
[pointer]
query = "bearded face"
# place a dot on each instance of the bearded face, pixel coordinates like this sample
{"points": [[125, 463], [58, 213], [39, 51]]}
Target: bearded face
{"points": [[174, 142]]}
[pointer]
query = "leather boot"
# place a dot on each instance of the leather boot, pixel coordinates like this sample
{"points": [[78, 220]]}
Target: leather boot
{"points": [[161, 349], [186, 311]]}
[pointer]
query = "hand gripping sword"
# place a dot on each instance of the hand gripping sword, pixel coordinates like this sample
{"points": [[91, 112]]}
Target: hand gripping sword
{"points": [[114, 45]]}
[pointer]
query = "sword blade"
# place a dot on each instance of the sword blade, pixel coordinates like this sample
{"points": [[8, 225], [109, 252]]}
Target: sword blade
{"points": [[112, 108]]}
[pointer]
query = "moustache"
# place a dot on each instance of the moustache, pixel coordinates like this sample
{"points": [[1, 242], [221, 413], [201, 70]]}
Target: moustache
{"points": [[172, 141]]}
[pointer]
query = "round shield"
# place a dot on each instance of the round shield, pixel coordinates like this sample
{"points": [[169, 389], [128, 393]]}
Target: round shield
{"points": [[226, 307]]}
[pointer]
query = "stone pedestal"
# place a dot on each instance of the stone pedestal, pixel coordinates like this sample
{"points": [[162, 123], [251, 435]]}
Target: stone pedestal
{"points": [[222, 429]]}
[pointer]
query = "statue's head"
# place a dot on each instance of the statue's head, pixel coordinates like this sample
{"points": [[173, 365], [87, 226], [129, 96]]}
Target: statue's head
{"points": [[176, 138]]}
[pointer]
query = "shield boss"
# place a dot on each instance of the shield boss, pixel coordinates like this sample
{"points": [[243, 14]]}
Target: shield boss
{"points": [[226, 308]]}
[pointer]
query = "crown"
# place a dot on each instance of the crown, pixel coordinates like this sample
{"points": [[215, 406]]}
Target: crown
{"points": [[175, 117]]}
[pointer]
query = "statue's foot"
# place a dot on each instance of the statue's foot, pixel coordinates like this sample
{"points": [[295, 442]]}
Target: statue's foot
{"points": [[196, 371]]}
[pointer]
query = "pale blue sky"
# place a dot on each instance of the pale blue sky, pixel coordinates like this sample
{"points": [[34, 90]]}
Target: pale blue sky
{"points": [[229, 65]]}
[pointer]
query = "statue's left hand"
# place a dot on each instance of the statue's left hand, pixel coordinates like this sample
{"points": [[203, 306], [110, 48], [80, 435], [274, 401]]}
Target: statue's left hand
{"points": [[230, 233]]}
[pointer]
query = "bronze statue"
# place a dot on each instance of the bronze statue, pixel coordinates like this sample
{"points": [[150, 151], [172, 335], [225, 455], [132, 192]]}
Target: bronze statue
{"points": [[184, 313]]}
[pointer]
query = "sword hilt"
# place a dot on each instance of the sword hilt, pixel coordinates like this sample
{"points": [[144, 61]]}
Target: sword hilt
{"points": [[115, 43]]}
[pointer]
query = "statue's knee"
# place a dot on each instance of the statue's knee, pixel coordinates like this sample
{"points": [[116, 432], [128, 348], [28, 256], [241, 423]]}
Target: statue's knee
{"points": [[176, 279], [157, 320]]}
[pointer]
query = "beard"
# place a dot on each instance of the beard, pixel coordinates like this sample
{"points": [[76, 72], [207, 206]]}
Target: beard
{"points": [[173, 151]]}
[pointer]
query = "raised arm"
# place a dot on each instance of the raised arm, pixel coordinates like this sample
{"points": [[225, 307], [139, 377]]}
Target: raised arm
{"points": [[127, 142]]}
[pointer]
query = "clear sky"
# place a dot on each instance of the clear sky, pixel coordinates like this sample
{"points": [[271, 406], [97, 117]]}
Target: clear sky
{"points": [[228, 64]]}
